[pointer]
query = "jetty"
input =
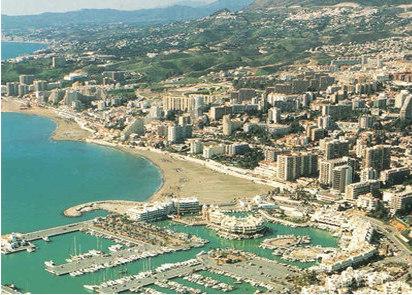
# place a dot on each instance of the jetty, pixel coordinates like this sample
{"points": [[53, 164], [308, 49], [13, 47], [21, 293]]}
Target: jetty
{"points": [[101, 260], [16, 242], [5, 289], [56, 231], [139, 281]]}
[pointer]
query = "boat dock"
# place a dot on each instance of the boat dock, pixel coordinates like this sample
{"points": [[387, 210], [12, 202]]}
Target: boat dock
{"points": [[242, 266], [17, 242], [100, 261], [135, 283], [56, 231], [9, 290]]}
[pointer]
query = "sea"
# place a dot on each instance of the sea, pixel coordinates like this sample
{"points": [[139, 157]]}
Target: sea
{"points": [[41, 177], [15, 49]]}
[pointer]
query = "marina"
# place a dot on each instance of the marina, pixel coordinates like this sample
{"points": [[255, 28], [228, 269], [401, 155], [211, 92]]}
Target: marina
{"points": [[146, 240], [162, 273], [242, 266], [100, 260], [17, 242], [283, 243], [85, 269], [56, 231], [209, 282], [178, 288]]}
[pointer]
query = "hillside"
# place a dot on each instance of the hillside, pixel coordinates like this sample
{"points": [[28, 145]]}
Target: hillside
{"points": [[265, 4], [263, 39]]}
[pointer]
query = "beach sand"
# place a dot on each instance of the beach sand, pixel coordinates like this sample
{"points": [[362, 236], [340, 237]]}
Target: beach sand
{"points": [[65, 129], [180, 178], [183, 179]]}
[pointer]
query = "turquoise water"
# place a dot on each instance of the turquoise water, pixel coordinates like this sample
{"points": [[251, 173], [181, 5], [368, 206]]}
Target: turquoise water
{"points": [[26, 270], [15, 49], [41, 177]]}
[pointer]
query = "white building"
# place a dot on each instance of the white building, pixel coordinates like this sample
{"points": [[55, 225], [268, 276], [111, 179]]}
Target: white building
{"points": [[196, 147], [213, 150]]}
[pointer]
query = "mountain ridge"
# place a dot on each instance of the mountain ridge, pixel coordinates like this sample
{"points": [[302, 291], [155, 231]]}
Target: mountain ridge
{"points": [[162, 15]]}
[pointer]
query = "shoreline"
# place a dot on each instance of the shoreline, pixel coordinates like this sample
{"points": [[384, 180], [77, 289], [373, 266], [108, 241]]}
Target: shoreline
{"points": [[179, 178], [25, 41], [65, 129]]}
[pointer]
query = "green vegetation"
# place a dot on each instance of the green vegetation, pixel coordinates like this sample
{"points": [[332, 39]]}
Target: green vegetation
{"points": [[263, 39], [41, 68], [381, 212], [249, 160], [256, 135], [125, 93]]}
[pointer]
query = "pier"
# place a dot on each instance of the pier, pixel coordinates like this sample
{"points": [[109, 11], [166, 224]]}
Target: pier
{"points": [[243, 266], [9, 290], [17, 242], [136, 282], [56, 231], [100, 261]]}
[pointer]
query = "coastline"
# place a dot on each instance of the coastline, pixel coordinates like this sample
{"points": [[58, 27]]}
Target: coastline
{"points": [[25, 41], [65, 129], [179, 178]]}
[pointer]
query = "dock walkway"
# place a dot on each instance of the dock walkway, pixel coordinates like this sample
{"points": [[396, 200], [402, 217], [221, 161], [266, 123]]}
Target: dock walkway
{"points": [[105, 260], [8, 290], [55, 231], [135, 284]]}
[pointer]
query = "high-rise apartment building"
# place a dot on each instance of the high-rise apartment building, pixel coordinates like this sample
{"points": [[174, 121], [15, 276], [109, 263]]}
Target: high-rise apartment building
{"points": [[341, 177], [274, 115], [368, 174], [326, 168], [26, 79], [377, 157], [291, 167], [406, 109], [334, 148]]}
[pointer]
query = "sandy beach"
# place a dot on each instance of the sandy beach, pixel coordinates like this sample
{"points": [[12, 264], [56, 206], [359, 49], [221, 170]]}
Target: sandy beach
{"points": [[65, 129], [180, 178], [183, 178]]}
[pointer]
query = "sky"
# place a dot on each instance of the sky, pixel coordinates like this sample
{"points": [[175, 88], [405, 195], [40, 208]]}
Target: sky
{"points": [[26, 7]]}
